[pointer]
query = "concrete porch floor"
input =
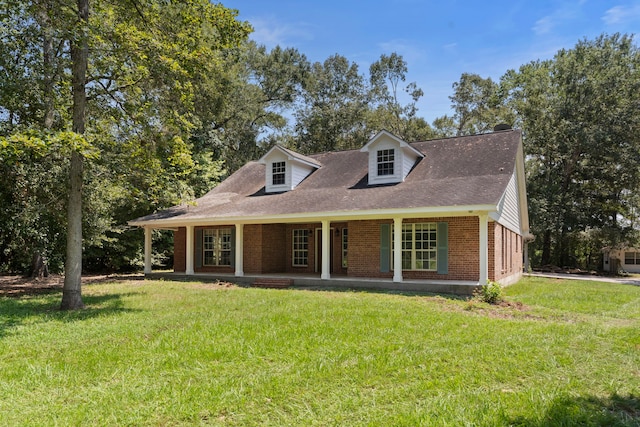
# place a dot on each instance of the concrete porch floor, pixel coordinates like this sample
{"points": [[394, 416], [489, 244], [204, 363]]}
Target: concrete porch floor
{"points": [[344, 282]]}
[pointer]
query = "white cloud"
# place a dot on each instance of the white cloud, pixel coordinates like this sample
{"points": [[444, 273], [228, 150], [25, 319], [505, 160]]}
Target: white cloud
{"points": [[270, 32], [544, 25], [566, 13], [622, 14]]}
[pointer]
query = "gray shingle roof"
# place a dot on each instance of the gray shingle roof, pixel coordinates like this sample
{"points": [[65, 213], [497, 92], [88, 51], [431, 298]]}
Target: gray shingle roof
{"points": [[462, 171]]}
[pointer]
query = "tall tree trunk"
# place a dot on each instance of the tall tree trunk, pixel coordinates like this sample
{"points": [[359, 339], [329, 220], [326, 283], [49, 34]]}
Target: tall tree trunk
{"points": [[48, 56], [72, 290]]}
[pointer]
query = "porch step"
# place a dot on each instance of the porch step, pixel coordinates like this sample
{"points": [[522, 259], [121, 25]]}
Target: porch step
{"points": [[273, 283]]}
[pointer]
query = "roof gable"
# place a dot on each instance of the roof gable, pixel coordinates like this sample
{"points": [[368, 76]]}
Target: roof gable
{"points": [[390, 158], [285, 169]]}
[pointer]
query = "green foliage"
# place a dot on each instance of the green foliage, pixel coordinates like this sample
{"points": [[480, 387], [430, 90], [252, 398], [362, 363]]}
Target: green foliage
{"points": [[491, 293], [579, 116], [148, 63]]}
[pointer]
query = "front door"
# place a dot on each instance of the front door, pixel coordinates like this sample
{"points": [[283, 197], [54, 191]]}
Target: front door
{"points": [[318, 249]]}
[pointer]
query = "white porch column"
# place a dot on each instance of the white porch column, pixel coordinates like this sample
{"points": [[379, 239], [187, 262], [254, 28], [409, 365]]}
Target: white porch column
{"points": [[484, 249], [147, 249], [397, 249], [190, 250], [239, 249], [326, 253]]}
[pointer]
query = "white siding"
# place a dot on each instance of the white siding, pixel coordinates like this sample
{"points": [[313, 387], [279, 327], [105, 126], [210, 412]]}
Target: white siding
{"points": [[295, 172], [508, 213], [407, 164], [385, 143], [277, 156], [298, 173], [619, 255]]}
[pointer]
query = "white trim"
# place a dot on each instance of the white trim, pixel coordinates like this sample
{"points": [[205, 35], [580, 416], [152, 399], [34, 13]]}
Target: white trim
{"points": [[401, 143], [147, 249], [190, 250], [421, 212], [290, 155], [397, 249], [239, 250], [484, 248], [326, 250], [293, 247]]}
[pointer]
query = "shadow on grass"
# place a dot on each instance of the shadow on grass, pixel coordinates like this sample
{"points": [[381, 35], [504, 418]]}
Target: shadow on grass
{"points": [[46, 308], [365, 290], [614, 411]]}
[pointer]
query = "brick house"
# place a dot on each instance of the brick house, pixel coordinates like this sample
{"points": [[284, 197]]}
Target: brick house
{"points": [[446, 211]]}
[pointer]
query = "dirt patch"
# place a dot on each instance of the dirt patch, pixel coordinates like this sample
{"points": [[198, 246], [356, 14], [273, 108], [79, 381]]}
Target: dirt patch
{"points": [[17, 286], [214, 285]]}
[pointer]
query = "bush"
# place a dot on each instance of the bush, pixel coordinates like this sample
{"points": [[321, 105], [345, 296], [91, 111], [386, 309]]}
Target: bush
{"points": [[490, 293]]}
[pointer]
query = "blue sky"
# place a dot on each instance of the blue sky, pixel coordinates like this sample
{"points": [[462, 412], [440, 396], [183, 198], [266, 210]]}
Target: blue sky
{"points": [[440, 40]]}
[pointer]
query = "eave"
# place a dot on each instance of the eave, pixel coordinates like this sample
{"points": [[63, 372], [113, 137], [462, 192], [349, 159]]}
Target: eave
{"points": [[418, 212]]}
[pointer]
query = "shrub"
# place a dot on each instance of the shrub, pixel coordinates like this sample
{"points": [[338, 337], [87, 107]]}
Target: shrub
{"points": [[490, 293]]}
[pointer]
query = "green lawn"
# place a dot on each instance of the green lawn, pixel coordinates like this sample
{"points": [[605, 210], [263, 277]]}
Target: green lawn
{"points": [[170, 353]]}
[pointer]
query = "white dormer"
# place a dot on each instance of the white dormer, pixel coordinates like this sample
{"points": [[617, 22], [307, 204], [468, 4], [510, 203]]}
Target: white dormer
{"points": [[390, 158], [285, 169]]}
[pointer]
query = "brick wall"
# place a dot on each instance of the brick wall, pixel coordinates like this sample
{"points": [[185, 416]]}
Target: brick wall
{"points": [[274, 247], [364, 249], [268, 249], [180, 250], [252, 249], [508, 261]]}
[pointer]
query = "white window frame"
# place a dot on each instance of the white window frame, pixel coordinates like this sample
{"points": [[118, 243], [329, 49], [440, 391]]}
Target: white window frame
{"points": [[411, 253], [278, 169], [345, 244], [300, 247], [384, 158], [216, 242]]}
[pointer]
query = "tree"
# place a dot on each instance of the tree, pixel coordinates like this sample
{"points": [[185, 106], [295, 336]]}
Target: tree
{"points": [[79, 52], [386, 76], [133, 68], [578, 112], [243, 112], [333, 112]]}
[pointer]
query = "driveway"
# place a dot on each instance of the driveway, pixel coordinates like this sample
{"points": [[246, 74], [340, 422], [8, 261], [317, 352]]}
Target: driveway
{"points": [[622, 280]]}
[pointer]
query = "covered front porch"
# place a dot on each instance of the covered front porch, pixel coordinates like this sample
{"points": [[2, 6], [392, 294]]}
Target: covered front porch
{"points": [[452, 287], [341, 251]]}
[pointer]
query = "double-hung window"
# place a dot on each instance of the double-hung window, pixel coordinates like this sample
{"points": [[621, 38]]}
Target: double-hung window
{"points": [[278, 170], [300, 247], [631, 258], [345, 244], [386, 159], [216, 247], [419, 246]]}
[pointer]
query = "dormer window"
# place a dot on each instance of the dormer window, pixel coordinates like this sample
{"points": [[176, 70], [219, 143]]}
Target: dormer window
{"points": [[390, 158], [385, 162], [285, 169], [278, 172]]}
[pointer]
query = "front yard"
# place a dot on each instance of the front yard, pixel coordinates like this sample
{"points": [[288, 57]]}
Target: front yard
{"points": [[559, 352]]}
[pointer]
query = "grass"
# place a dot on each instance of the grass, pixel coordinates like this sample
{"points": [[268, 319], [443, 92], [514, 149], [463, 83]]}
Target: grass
{"points": [[169, 353]]}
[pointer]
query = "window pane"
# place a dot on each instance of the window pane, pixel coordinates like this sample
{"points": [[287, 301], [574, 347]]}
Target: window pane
{"points": [[300, 247], [345, 240], [629, 258], [216, 247], [385, 162], [419, 242], [278, 170]]}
